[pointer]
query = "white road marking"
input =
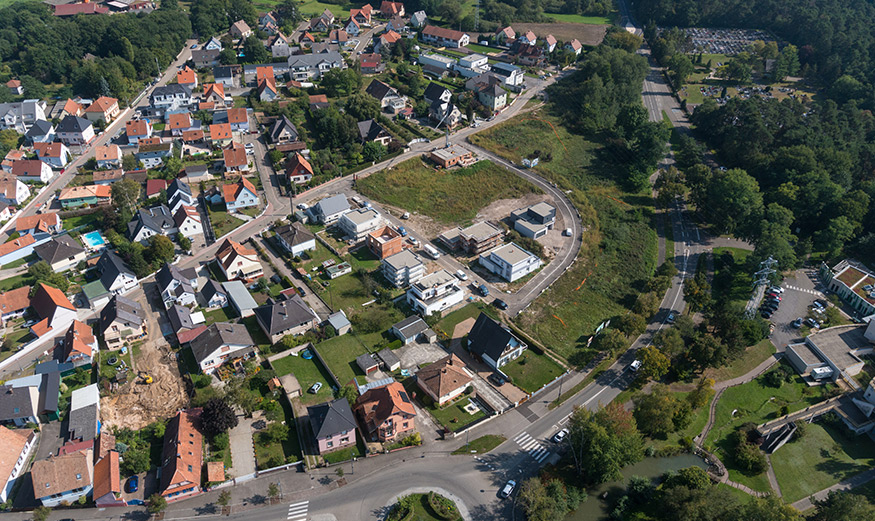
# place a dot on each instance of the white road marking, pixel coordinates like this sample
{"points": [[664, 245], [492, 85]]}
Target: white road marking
{"points": [[298, 511], [532, 446]]}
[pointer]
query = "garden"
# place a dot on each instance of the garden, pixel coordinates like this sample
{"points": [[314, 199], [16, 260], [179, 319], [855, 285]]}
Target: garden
{"points": [[308, 372], [532, 370], [424, 507], [222, 221]]}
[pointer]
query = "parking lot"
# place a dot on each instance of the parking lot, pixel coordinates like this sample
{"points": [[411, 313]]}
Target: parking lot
{"points": [[800, 291]]}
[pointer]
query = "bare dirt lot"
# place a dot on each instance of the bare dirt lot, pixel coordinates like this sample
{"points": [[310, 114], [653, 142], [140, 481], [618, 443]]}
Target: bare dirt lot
{"points": [[587, 34], [138, 404]]}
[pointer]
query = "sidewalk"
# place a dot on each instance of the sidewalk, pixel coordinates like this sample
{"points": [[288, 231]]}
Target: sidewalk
{"points": [[853, 482]]}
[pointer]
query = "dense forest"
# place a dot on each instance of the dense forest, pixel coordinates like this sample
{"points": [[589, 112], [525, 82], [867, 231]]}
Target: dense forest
{"points": [[43, 49], [835, 38]]}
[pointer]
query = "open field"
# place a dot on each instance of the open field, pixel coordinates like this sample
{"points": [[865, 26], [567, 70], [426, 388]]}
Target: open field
{"points": [[222, 221], [580, 19], [451, 196], [587, 34], [823, 457], [755, 402], [531, 371], [619, 247]]}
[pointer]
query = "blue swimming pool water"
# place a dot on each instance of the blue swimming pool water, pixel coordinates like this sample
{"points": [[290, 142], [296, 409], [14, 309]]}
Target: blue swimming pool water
{"points": [[93, 239]]}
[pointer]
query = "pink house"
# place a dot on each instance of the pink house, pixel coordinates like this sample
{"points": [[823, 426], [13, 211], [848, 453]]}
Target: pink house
{"points": [[386, 412], [333, 425]]}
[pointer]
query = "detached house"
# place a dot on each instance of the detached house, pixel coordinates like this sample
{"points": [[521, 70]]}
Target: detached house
{"points": [[220, 134], [74, 130], [386, 95], [137, 130], [279, 45], [236, 160], [239, 195], [238, 262], [176, 286], [16, 249], [295, 238], [186, 76], [80, 344], [121, 318], [386, 412], [333, 425], [53, 308], [39, 224], [55, 154], [435, 292], [240, 30], [170, 97], [387, 39], [103, 109], [40, 132], [488, 90], [419, 19], [182, 456], [445, 37], [353, 26], [238, 119], [328, 210], [214, 295], [15, 87], [362, 16], [63, 479], [574, 46], [115, 275], [218, 343], [267, 89], [32, 171], [550, 42], [61, 253], [215, 92], [188, 221], [390, 9], [179, 194], [182, 122], [224, 76], [502, 36], [109, 156], [370, 130], [157, 220], [15, 450], [528, 38], [298, 169], [493, 342], [12, 191], [444, 380], [282, 130], [288, 317]]}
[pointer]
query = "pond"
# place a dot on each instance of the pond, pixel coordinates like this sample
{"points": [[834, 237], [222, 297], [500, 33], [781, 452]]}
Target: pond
{"points": [[595, 508]]}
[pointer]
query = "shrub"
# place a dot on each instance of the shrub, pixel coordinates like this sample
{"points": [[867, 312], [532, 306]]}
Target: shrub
{"points": [[443, 507]]}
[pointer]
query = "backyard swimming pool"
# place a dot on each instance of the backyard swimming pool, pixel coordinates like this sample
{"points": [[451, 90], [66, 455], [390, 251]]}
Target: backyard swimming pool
{"points": [[94, 240]]}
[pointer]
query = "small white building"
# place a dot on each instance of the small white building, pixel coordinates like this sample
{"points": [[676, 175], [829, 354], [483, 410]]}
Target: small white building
{"points": [[403, 268], [357, 224], [510, 262], [437, 291]]}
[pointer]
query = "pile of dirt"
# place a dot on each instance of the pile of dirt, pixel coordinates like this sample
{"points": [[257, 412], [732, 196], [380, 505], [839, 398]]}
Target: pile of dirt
{"points": [[138, 404]]}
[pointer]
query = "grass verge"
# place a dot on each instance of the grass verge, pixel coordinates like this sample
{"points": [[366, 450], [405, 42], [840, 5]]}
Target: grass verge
{"points": [[481, 445]]}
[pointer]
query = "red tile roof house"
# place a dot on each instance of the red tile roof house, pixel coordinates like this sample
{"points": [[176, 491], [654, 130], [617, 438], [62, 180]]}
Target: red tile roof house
{"points": [[103, 109], [12, 191], [40, 223], [444, 380], [63, 479], [390, 9], [154, 187], [187, 77], [447, 37], [53, 308], [32, 171], [15, 446], [240, 29], [238, 119], [298, 169], [80, 344], [182, 457], [180, 123], [136, 130], [214, 92], [386, 412], [56, 154], [239, 195], [236, 160], [14, 303], [107, 482], [220, 134], [17, 249], [109, 156], [15, 87], [371, 63]]}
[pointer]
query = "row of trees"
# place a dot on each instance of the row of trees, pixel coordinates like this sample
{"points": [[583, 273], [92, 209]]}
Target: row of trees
{"points": [[41, 48]]}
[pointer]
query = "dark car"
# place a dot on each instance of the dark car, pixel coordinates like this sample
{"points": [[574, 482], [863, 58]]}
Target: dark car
{"points": [[301, 292], [497, 379], [766, 314], [500, 304], [771, 307], [133, 484]]}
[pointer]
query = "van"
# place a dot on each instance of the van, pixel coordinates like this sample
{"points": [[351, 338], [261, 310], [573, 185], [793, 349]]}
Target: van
{"points": [[431, 251]]}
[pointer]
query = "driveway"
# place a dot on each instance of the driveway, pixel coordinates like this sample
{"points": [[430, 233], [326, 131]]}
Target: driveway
{"points": [[418, 354], [242, 450], [499, 398]]}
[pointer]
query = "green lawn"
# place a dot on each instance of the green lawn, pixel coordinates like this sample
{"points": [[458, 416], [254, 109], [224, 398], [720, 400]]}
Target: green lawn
{"points": [[363, 258], [532, 371], [756, 403], [482, 49], [580, 19], [251, 211], [317, 256], [422, 511], [619, 249], [345, 292], [20, 337], [481, 445], [451, 320], [453, 416], [269, 453], [822, 458], [15, 282], [447, 196], [82, 220], [340, 353], [307, 372], [224, 314], [222, 221], [752, 357], [19, 262]]}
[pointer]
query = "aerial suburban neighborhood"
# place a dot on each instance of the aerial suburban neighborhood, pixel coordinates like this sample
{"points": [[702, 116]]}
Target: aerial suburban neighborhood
{"points": [[447, 260]]}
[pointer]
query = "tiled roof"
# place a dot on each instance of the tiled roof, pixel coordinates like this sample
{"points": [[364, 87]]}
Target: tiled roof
{"points": [[444, 376], [16, 244], [235, 156], [14, 300], [180, 121], [186, 76], [102, 104], [440, 32], [39, 222], [107, 153], [137, 128], [107, 478], [220, 131], [237, 115], [27, 167], [182, 454], [12, 442], [61, 474]]}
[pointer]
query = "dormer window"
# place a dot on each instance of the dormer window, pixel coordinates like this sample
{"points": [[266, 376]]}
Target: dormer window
{"points": [[78, 476]]}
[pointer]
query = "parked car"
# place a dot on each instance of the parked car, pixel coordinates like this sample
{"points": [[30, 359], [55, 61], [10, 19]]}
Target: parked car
{"points": [[777, 289], [766, 314], [559, 436], [508, 489], [402, 231], [497, 379], [500, 304], [797, 323], [821, 302], [405, 215], [484, 291], [315, 388], [301, 291], [133, 484], [462, 275], [810, 322]]}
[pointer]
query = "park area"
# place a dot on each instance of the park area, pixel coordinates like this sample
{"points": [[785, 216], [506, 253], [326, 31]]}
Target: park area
{"points": [[452, 196], [619, 250]]}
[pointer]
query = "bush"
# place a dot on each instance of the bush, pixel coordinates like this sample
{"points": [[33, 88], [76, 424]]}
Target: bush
{"points": [[443, 507]]}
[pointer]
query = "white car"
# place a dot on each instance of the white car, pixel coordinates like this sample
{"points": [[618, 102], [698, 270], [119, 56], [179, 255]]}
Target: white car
{"points": [[508, 489], [635, 366], [462, 275], [559, 436]]}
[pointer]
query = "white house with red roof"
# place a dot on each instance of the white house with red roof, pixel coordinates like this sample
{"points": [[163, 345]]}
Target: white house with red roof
{"points": [[13, 191], [53, 308], [239, 195], [104, 108], [80, 344], [56, 154], [32, 171], [137, 130]]}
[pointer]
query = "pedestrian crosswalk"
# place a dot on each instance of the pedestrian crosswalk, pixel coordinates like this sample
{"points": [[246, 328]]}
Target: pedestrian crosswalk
{"points": [[812, 291], [298, 511], [532, 446]]}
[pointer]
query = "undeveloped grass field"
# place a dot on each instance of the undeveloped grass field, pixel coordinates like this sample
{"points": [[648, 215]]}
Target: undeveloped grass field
{"points": [[619, 246], [587, 34], [451, 196]]}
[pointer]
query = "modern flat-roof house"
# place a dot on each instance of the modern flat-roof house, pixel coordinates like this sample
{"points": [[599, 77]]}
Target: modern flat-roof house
{"points": [[333, 425], [833, 353], [15, 449], [329, 210], [385, 242], [63, 479], [295, 238], [219, 342], [403, 268], [473, 240], [386, 412], [854, 283], [452, 156], [121, 318], [411, 329], [444, 380], [436, 291], [238, 262], [493, 342], [357, 224], [510, 262], [437, 60], [445, 37], [182, 456], [287, 317], [534, 221], [240, 298], [84, 413]]}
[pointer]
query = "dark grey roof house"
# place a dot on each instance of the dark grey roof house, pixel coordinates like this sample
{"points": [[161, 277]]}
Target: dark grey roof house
{"points": [[283, 130], [122, 309], [370, 130], [219, 342], [288, 317], [333, 425], [493, 342], [60, 248]]}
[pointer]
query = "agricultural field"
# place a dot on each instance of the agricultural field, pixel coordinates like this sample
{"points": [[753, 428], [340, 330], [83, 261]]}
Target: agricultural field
{"points": [[451, 196], [587, 34], [580, 19], [619, 247]]}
